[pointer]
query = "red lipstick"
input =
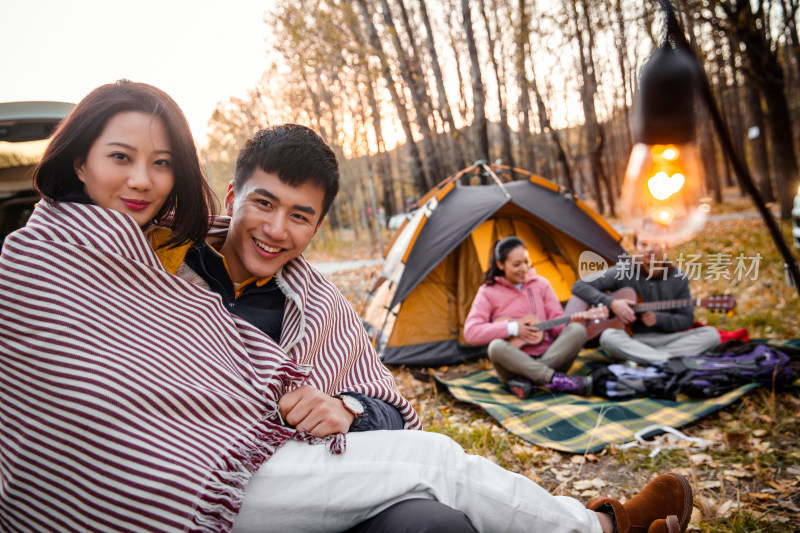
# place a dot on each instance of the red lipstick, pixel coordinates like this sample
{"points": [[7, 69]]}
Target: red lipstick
{"points": [[135, 205]]}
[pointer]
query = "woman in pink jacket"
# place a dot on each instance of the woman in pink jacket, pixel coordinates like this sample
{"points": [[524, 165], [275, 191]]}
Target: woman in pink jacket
{"points": [[501, 315]]}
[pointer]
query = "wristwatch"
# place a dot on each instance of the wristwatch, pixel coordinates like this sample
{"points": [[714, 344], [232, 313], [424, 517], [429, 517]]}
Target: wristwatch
{"points": [[352, 405]]}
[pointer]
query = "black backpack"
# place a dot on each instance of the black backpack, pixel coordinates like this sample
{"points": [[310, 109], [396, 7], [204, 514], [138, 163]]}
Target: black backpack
{"points": [[710, 374]]}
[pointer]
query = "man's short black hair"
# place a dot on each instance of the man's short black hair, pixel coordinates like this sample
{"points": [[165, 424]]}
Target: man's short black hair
{"points": [[296, 154]]}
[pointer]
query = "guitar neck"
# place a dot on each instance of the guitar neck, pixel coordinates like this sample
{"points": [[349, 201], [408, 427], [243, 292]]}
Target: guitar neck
{"points": [[550, 324], [667, 304]]}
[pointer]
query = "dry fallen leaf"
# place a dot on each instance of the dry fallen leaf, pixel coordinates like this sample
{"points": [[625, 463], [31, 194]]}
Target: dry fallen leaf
{"points": [[788, 505], [775, 485], [702, 458], [585, 484], [725, 509], [531, 474], [760, 496], [780, 519], [735, 440], [562, 475], [737, 473], [520, 449]]}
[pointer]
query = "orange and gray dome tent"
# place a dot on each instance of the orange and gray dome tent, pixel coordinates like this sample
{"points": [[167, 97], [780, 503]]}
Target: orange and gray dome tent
{"points": [[415, 310]]}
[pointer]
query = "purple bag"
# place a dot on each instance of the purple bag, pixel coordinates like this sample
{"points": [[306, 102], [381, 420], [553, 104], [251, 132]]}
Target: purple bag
{"points": [[714, 373]]}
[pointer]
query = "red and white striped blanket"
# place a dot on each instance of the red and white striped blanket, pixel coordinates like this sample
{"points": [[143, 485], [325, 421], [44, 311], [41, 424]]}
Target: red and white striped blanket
{"points": [[321, 329], [130, 400]]}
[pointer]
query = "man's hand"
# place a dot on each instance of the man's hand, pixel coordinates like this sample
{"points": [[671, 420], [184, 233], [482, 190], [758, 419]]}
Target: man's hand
{"points": [[648, 318], [311, 410], [623, 308]]}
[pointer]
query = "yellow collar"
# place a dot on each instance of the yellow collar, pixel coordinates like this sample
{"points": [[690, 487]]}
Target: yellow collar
{"points": [[238, 288], [170, 258]]}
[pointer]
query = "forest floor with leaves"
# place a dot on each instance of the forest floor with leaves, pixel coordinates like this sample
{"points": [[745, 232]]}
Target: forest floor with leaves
{"points": [[746, 480]]}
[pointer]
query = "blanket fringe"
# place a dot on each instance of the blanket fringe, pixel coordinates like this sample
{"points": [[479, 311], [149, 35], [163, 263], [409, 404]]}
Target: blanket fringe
{"points": [[228, 481], [222, 495]]}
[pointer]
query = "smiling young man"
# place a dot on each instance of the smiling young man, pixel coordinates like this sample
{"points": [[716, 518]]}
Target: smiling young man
{"points": [[285, 181]]}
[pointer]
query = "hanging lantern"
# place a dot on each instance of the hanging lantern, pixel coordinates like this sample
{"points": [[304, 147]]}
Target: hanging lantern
{"points": [[663, 195]]}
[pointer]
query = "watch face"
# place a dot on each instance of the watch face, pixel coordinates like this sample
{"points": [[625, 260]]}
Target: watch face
{"points": [[352, 405]]}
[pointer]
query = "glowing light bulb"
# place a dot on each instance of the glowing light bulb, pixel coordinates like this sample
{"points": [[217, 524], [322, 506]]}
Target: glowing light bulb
{"points": [[662, 185], [663, 196], [669, 153]]}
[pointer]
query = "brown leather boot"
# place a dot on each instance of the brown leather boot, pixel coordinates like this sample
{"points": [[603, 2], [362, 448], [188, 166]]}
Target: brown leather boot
{"points": [[665, 525], [667, 494]]}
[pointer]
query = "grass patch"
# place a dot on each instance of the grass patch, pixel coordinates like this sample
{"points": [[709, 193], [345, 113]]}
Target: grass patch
{"points": [[745, 522]]}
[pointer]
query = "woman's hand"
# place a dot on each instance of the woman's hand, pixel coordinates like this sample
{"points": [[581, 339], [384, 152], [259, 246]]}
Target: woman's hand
{"points": [[529, 334]]}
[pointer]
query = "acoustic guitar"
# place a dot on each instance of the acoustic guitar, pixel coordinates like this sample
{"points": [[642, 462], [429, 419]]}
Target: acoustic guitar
{"points": [[590, 315], [722, 302]]}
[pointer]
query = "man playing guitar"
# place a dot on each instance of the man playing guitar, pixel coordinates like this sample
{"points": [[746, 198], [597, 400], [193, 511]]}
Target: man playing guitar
{"points": [[656, 335]]}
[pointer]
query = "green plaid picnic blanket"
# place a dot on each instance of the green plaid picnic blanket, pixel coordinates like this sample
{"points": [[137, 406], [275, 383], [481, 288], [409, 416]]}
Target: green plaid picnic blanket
{"points": [[576, 424]]}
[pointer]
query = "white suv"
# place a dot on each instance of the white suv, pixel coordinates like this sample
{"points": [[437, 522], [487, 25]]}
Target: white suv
{"points": [[25, 128]]}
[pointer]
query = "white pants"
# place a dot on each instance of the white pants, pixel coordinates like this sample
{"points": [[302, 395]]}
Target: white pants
{"points": [[655, 347], [304, 488]]}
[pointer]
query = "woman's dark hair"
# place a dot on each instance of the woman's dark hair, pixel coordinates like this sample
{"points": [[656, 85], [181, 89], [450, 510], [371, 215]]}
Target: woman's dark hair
{"points": [[191, 202], [500, 250]]}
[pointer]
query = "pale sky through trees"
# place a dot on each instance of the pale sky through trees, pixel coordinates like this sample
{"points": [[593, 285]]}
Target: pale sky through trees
{"points": [[199, 51]]}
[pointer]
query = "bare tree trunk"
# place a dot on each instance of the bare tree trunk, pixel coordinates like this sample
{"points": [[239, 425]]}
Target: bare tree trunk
{"points": [[649, 12], [453, 35], [790, 8], [478, 94], [758, 144], [383, 163], [526, 156], [415, 161], [591, 126], [505, 134], [708, 153], [315, 102], [457, 154], [412, 75], [729, 104], [738, 117], [624, 69], [328, 99], [555, 138], [416, 63], [764, 70]]}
